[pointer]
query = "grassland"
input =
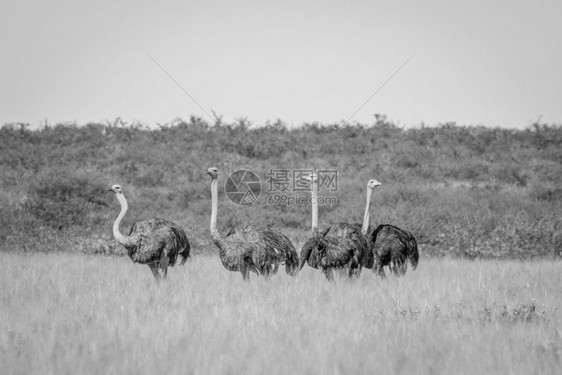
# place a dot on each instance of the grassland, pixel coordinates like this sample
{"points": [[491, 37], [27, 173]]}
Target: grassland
{"points": [[71, 313], [483, 203]]}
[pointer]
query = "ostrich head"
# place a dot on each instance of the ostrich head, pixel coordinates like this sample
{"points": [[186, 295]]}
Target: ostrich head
{"points": [[371, 184], [213, 172], [116, 189]]}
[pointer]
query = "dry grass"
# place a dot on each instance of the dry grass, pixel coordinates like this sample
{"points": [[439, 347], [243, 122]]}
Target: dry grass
{"points": [[67, 313]]}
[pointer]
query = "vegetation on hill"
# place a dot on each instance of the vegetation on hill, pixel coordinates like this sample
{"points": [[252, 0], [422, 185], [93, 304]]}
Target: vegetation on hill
{"points": [[468, 191]]}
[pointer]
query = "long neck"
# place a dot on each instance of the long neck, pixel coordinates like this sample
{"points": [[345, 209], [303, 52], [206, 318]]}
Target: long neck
{"points": [[214, 208], [123, 240], [365, 227], [314, 201]]}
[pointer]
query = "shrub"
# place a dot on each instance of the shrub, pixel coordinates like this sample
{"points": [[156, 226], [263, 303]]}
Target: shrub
{"points": [[61, 199], [462, 190]]}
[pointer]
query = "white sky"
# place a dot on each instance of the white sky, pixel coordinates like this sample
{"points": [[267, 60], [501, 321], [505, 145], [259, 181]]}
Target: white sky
{"points": [[496, 63]]}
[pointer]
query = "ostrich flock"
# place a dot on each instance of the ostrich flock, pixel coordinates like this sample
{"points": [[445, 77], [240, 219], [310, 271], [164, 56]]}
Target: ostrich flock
{"points": [[342, 247]]}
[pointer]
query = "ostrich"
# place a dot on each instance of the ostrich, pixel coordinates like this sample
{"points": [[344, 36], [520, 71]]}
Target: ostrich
{"points": [[391, 245], [155, 242], [334, 247], [249, 248]]}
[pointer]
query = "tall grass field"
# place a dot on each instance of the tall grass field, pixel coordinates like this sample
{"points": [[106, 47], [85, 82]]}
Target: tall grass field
{"points": [[483, 203], [69, 313]]}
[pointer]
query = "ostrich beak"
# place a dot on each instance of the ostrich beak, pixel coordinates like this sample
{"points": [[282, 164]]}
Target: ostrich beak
{"points": [[110, 189]]}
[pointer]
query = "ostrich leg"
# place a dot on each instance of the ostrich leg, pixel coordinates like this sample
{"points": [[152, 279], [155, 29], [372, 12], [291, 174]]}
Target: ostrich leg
{"points": [[328, 273], [154, 268], [245, 273], [378, 268], [164, 264], [267, 272], [399, 266]]}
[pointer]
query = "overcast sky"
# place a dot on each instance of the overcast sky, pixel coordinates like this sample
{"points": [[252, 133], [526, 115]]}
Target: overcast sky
{"points": [[496, 63]]}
